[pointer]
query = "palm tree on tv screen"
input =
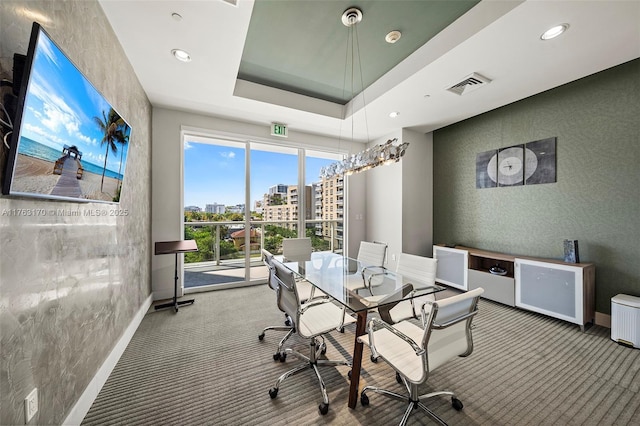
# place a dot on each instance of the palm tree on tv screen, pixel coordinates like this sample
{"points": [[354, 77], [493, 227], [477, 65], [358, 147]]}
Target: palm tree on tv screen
{"points": [[110, 126], [123, 139]]}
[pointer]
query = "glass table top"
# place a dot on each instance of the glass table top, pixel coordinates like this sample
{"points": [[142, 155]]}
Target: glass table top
{"points": [[356, 286]]}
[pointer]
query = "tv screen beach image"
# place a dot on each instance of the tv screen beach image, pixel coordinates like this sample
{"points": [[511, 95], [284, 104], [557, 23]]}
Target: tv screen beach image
{"points": [[72, 143]]}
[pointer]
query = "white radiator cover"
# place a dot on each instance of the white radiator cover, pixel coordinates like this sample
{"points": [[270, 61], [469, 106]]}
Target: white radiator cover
{"points": [[625, 320]]}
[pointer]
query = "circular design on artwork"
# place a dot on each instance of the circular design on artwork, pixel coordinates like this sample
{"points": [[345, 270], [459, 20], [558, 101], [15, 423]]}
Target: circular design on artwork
{"points": [[530, 163], [510, 166], [492, 168]]}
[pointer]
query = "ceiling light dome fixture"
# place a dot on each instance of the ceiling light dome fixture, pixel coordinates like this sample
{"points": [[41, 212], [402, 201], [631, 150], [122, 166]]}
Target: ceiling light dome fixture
{"points": [[351, 16], [393, 36], [554, 31], [181, 55], [374, 156]]}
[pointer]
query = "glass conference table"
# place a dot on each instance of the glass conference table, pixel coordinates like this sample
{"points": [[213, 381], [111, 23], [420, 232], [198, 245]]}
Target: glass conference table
{"points": [[334, 275]]}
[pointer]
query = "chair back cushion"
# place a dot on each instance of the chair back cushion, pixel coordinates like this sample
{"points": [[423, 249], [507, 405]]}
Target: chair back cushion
{"points": [[454, 340], [420, 272], [296, 249], [267, 258], [417, 270], [288, 299], [371, 254]]}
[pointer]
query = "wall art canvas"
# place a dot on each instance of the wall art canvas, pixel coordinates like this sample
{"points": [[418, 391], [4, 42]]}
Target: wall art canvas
{"points": [[511, 166], [540, 161], [487, 169]]}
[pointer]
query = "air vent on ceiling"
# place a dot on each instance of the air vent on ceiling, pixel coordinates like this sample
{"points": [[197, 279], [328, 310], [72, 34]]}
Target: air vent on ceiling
{"points": [[470, 83]]}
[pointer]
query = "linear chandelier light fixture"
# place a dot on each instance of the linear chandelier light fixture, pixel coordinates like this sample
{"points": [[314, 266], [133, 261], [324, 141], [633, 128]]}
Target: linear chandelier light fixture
{"points": [[377, 155]]}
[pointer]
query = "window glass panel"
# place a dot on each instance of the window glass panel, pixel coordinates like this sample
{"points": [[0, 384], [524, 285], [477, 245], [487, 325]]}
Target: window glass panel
{"points": [[325, 228], [216, 185], [274, 195], [214, 213]]}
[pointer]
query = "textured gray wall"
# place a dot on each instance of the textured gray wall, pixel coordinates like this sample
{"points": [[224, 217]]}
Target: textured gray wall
{"points": [[595, 200], [69, 286]]}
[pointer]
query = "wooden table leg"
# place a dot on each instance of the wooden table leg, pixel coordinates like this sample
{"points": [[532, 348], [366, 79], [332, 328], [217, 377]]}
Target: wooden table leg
{"points": [[361, 325]]}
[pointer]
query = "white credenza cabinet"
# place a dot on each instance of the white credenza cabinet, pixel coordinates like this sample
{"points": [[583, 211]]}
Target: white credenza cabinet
{"points": [[452, 266], [560, 290]]}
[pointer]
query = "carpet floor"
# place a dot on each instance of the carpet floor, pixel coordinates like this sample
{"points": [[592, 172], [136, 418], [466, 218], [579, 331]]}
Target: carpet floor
{"points": [[205, 366]]}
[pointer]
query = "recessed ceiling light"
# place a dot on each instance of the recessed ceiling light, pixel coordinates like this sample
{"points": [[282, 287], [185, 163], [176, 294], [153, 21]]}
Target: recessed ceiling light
{"points": [[181, 55], [394, 114], [393, 36], [554, 31]]}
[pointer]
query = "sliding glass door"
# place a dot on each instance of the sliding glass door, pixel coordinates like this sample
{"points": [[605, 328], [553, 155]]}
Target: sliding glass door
{"points": [[214, 212], [240, 197], [277, 200]]}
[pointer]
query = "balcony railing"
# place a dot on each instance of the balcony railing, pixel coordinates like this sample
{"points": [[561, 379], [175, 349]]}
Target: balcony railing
{"points": [[222, 247]]}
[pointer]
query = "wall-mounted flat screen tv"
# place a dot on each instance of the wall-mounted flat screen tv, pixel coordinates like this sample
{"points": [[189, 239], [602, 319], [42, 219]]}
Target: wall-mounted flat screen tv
{"points": [[68, 141]]}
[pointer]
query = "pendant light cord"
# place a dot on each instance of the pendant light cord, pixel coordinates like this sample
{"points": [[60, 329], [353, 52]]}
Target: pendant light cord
{"points": [[364, 103]]}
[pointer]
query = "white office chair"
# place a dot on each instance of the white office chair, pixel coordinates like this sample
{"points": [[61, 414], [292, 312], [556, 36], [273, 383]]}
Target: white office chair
{"points": [[299, 250], [414, 350], [310, 321], [296, 249], [370, 261], [417, 272], [267, 258]]}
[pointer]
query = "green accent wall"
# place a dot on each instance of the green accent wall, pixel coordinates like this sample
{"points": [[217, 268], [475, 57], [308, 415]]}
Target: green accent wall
{"points": [[596, 199]]}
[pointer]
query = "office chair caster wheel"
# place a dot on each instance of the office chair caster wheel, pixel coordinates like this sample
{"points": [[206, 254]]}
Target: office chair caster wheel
{"points": [[374, 359], [341, 329], [283, 357], [364, 399], [456, 403], [276, 356], [273, 392], [287, 323], [324, 408], [261, 337], [398, 378]]}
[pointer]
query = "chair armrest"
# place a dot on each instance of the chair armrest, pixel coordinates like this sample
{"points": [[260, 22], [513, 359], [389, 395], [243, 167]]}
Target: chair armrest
{"points": [[455, 321], [367, 281], [368, 268], [374, 353], [317, 301]]}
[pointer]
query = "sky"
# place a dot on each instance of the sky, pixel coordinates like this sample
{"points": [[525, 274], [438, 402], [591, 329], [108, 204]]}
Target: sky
{"points": [[60, 106], [216, 174]]}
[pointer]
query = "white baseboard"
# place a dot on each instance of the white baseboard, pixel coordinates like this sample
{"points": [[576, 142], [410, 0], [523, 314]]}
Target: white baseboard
{"points": [[82, 406]]}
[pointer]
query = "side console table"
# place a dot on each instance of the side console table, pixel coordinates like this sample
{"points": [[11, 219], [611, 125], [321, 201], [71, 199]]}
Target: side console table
{"points": [[552, 287], [175, 247]]}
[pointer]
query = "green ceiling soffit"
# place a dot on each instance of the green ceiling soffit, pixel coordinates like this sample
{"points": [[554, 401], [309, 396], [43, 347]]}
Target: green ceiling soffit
{"points": [[301, 45]]}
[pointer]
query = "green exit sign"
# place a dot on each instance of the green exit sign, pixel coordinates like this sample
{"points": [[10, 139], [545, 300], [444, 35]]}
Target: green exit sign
{"points": [[278, 129]]}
